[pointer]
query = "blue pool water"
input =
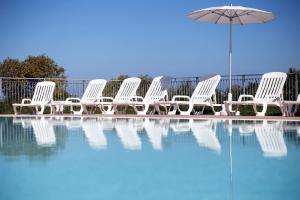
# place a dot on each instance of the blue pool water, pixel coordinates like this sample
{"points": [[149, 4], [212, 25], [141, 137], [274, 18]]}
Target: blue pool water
{"points": [[103, 158]]}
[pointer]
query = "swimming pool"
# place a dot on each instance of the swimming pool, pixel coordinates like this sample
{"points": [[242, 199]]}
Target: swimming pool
{"points": [[141, 158]]}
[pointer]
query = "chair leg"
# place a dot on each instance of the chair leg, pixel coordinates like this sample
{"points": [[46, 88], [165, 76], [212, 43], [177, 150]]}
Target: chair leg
{"points": [[255, 109], [40, 111], [15, 110], [264, 110], [282, 111], [106, 110], [172, 110], [156, 106], [227, 108], [187, 112], [82, 109], [142, 112]]}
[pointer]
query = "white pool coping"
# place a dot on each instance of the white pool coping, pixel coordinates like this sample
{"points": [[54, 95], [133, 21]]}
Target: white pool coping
{"points": [[253, 118]]}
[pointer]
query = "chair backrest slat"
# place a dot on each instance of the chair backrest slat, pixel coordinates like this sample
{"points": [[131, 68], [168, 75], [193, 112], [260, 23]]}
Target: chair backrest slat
{"points": [[43, 92], [158, 89], [205, 89], [127, 90], [270, 86], [93, 91]]}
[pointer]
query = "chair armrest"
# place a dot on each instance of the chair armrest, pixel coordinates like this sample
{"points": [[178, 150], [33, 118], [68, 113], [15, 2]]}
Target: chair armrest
{"points": [[102, 99], [73, 99], [245, 96], [181, 97], [25, 100]]}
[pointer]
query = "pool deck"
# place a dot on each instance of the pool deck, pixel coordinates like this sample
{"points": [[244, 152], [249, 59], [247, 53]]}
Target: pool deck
{"points": [[271, 118]]}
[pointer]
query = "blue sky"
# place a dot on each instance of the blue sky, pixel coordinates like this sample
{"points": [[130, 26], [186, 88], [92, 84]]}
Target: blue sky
{"points": [[106, 38]]}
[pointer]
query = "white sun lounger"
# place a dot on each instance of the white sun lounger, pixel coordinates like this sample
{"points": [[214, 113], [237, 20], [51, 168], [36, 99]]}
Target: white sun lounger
{"points": [[269, 92], [127, 132], [288, 106], [42, 96], [43, 132], [205, 134], [270, 138], [126, 93], [156, 92], [94, 134], [90, 97], [203, 95]]}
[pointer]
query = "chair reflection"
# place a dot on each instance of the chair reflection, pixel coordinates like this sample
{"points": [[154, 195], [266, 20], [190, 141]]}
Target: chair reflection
{"points": [[126, 129], [43, 132], [205, 133], [181, 125], [270, 138], [93, 131], [156, 130], [245, 127]]}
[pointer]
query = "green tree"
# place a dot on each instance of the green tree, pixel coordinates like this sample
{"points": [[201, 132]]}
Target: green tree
{"points": [[29, 72], [32, 67], [11, 68]]}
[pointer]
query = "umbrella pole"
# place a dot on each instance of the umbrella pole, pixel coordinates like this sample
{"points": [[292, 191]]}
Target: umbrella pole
{"points": [[230, 54]]}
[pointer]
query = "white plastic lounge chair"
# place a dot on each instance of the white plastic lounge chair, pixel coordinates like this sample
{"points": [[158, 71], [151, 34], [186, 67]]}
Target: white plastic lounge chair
{"points": [[269, 92], [156, 92], [42, 96], [270, 138], [44, 132], [155, 132], [126, 93], [94, 134], [90, 97], [128, 134], [203, 95], [205, 134], [288, 106]]}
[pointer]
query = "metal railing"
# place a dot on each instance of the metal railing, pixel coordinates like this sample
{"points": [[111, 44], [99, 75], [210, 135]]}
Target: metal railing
{"points": [[14, 89]]}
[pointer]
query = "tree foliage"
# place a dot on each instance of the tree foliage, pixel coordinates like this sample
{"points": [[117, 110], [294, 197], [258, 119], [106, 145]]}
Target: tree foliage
{"points": [[32, 67], [29, 71]]}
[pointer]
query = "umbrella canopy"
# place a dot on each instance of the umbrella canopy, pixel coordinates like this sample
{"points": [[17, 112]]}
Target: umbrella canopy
{"points": [[231, 15]]}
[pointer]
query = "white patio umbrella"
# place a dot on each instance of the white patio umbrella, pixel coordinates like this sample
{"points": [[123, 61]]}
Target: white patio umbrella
{"points": [[231, 15]]}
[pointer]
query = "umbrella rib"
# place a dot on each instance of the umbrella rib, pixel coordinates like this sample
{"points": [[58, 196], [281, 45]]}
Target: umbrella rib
{"points": [[220, 15], [238, 17], [258, 18], [246, 12], [204, 15]]}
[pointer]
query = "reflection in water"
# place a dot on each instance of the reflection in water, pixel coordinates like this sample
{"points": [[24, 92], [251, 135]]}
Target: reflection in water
{"points": [[270, 138], [171, 152], [270, 135], [44, 132], [181, 125], [205, 134], [37, 138], [94, 133], [127, 132], [156, 131], [41, 133]]}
